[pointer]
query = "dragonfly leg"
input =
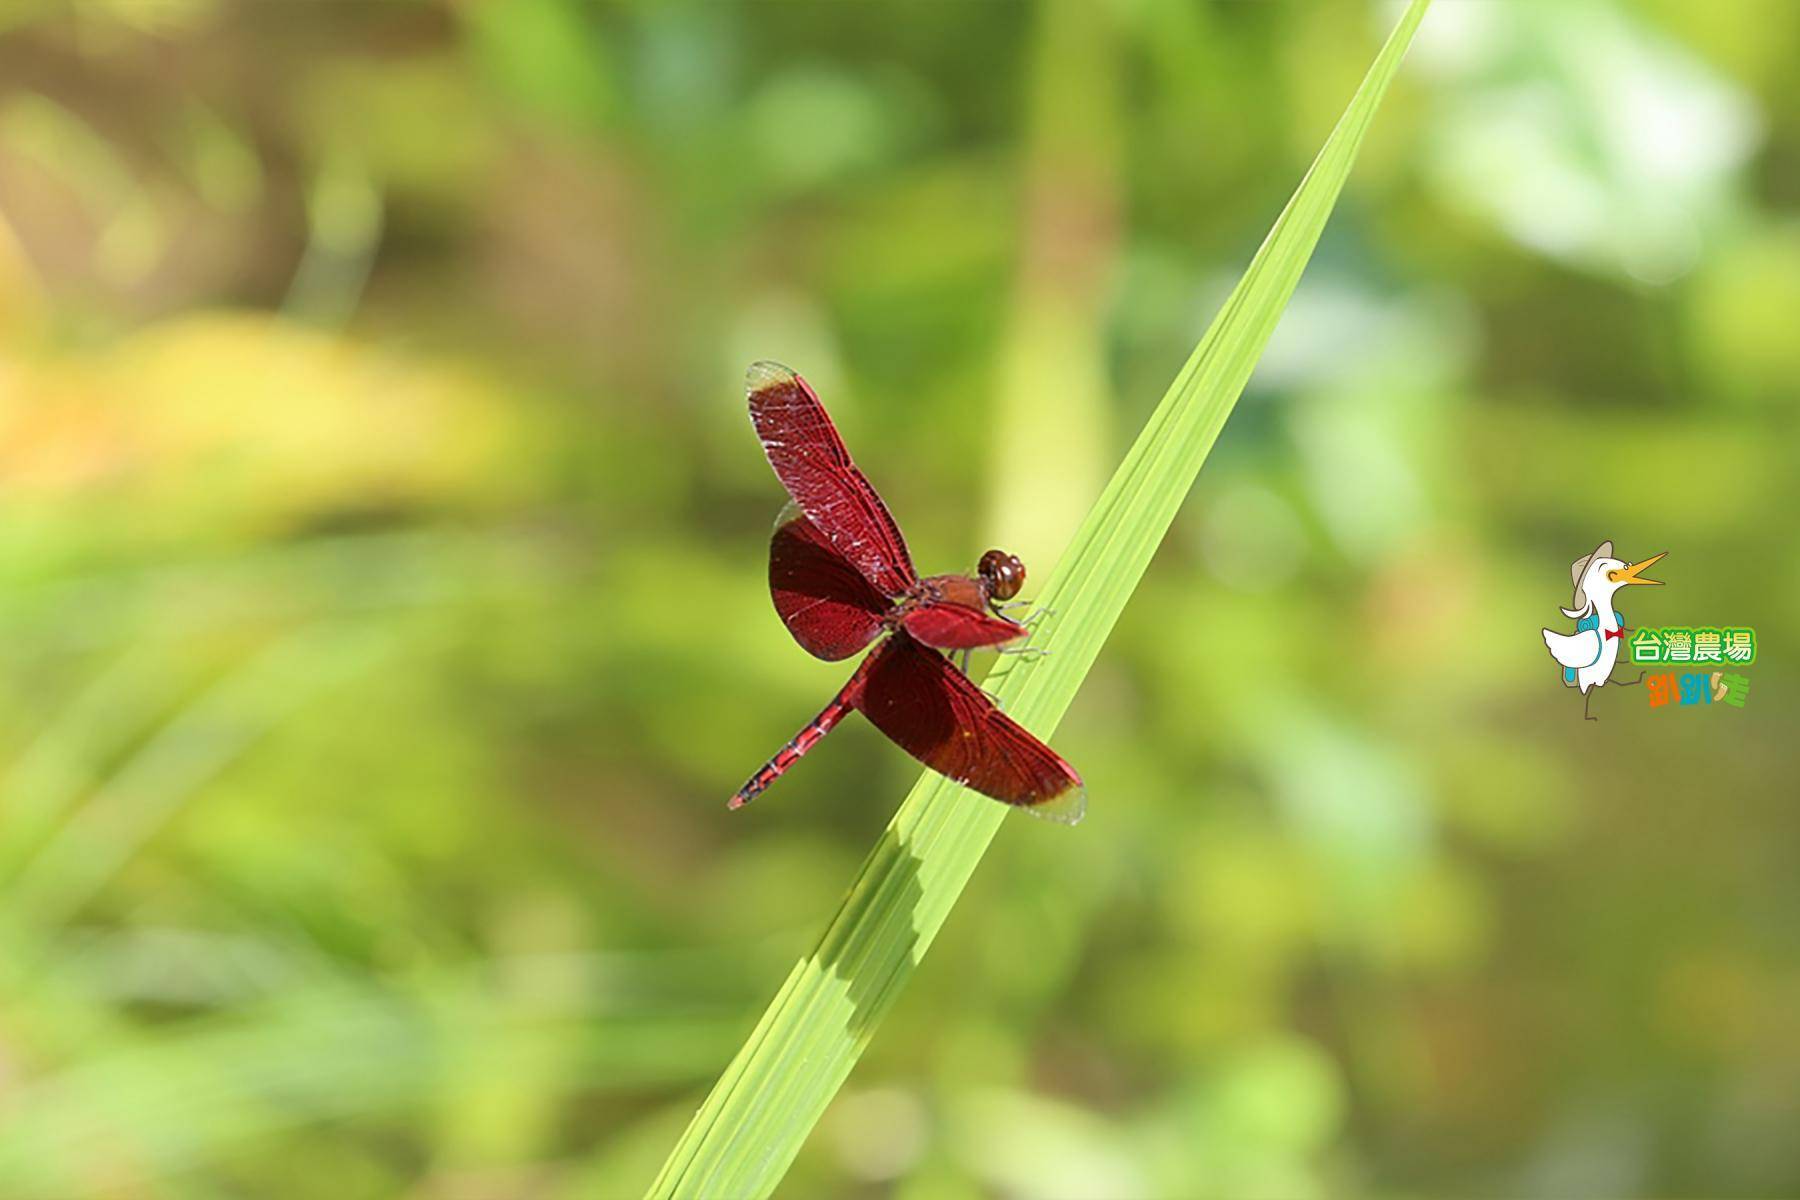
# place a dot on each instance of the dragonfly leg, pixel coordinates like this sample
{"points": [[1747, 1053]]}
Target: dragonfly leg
{"points": [[1036, 613], [1026, 653], [961, 658]]}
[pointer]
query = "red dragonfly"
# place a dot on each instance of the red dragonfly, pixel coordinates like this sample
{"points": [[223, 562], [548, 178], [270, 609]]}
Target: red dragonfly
{"points": [[841, 577]]}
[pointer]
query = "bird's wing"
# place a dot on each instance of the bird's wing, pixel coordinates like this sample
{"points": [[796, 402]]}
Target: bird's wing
{"points": [[1574, 649]]}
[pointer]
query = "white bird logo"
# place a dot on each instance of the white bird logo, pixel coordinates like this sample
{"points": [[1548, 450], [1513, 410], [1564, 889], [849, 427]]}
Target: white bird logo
{"points": [[1589, 654]]}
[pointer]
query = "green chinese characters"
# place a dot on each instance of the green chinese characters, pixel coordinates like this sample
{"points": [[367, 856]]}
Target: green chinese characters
{"points": [[1693, 644]]}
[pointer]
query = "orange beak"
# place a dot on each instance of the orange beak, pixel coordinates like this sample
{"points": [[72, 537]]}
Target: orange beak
{"points": [[1630, 574]]}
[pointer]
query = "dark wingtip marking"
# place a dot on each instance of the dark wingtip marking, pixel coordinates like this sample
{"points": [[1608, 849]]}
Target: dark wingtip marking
{"points": [[766, 373]]}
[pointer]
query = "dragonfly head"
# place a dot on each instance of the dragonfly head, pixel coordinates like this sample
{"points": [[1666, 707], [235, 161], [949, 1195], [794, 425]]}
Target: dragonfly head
{"points": [[1003, 574]]}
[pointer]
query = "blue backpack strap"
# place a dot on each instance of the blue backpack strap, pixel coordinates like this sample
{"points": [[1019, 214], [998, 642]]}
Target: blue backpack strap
{"points": [[1589, 623]]}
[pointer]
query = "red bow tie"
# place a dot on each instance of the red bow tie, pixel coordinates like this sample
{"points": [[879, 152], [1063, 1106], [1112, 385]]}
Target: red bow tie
{"points": [[1613, 633]]}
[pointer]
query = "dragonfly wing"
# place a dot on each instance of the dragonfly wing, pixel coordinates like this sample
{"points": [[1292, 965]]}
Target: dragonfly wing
{"points": [[950, 626], [812, 462], [931, 710], [826, 603]]}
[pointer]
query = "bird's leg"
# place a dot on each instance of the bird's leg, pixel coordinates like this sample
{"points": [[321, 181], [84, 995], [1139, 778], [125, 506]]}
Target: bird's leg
{"points": [[1628, 682], [1585, 697]]}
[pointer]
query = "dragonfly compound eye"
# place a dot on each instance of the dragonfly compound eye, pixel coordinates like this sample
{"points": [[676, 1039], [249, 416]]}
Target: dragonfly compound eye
{"points": [[1004, 573]]}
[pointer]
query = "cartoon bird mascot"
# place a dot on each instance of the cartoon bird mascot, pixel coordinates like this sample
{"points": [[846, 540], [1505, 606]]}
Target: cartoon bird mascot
{"points": [[1587, 655]]}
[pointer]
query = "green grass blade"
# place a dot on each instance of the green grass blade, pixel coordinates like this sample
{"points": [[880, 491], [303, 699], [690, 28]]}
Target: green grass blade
{"points": [[753, 1124]]}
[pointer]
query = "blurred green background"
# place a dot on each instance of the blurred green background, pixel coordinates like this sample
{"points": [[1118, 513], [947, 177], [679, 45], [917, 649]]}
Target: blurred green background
{"points": [[383, 620]]}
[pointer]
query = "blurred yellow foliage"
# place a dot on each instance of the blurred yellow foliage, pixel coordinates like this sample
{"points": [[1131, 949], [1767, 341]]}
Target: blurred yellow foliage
{"points": [[232, 426]]}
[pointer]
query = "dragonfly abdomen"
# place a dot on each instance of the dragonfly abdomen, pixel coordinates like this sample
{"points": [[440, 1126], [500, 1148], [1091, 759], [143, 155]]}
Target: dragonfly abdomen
{"points": [[797, 746]]}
